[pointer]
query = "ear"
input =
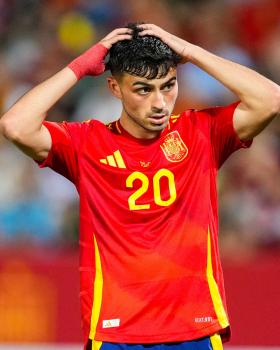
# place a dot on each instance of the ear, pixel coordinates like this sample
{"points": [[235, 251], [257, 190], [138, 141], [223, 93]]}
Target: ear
{"points": [[114, 87]]}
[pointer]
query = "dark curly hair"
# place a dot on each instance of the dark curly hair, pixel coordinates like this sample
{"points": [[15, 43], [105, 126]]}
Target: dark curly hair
{"points": [[144, 56]]}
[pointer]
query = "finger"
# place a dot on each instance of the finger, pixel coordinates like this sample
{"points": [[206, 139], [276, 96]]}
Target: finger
{"points": [[147, 32], [118, 31], [109, 42], [120, 38], [147, 26], [121, 31]]}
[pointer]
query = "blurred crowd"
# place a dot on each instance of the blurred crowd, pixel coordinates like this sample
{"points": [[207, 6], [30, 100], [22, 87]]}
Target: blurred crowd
{"points": [[37, 38]]}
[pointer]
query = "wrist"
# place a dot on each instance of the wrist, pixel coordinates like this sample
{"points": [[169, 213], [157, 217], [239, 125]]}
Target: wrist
{"points": [[74, 66], [191, 53], [90, 62]]}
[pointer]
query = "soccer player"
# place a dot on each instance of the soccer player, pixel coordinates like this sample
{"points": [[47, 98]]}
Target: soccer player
{"points": [[150, 268]]}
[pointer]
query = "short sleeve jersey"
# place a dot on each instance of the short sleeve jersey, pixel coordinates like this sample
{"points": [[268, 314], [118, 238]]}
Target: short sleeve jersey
{"points": [[149, 261]]}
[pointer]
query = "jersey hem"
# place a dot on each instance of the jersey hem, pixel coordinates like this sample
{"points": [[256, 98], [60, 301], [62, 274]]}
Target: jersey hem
{"points": [[160, 338]]}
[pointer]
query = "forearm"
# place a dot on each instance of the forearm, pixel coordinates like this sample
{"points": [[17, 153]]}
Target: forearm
{"points": [[26, 116], [254, 90], [260, 97]]}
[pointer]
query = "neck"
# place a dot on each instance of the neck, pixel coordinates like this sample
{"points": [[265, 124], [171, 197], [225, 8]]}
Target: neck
{"points": [[135, 129]]}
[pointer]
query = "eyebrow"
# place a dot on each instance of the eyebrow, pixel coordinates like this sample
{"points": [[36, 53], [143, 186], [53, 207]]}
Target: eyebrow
{"points": [[142, 83]]}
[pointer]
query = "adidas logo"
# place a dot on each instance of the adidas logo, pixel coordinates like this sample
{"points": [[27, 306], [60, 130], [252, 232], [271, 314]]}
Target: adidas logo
{"points": [[111, 323], [115, 160]]}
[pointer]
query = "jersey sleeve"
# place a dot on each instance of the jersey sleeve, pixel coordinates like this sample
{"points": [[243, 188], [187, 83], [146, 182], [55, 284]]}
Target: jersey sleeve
{"points": [[63, 156], [224, 139]]}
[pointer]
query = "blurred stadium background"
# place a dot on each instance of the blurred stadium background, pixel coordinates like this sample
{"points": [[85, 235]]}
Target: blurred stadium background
{"points": [[39, 210]]}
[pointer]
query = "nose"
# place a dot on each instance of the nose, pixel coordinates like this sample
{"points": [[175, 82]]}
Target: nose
{"points": [[158, 101]]}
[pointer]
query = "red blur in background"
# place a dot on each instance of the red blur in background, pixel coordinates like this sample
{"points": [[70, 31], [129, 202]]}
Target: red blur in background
{"points": [[39, 297]]}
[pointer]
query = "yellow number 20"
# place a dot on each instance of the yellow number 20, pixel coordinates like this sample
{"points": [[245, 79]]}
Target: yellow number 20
{"points": [[156, 187]]}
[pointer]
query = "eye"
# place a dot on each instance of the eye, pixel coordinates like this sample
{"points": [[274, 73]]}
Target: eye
{"points": [[144, 90], [168, 87]]}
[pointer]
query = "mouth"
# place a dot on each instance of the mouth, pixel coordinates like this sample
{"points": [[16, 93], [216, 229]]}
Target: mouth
{"points": [[158, 118]]}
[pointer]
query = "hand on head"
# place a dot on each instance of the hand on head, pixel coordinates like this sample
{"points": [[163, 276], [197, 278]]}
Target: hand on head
{"points": [[92, 62], [180, 46]]}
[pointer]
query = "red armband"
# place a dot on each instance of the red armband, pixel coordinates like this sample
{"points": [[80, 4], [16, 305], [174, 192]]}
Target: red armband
{"points": [[90, 62]]}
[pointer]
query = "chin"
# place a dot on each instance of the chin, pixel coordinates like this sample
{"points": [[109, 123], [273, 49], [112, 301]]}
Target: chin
{"points": [[158, 127]]}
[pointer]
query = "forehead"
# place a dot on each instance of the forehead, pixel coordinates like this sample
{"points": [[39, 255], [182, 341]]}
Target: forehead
{"points": [[132, 80]]}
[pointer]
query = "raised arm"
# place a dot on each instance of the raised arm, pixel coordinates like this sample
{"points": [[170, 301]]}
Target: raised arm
{"points": [[259, 96], [23, 122]]}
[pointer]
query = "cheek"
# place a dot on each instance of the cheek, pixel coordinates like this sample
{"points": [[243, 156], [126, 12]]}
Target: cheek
{"points": [[172, 97], [175, 92], [134, 103]]}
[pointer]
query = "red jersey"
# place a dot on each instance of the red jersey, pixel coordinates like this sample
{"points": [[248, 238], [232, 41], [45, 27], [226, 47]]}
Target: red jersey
{"points": [[149, 261]]}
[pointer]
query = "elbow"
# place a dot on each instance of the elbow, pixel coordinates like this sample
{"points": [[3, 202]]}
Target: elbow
{"points": [[8, 129]]}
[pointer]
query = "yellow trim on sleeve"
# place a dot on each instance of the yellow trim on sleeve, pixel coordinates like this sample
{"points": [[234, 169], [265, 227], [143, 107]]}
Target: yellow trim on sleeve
{"points": [[97, 294], [214, 290], [216, 342]]}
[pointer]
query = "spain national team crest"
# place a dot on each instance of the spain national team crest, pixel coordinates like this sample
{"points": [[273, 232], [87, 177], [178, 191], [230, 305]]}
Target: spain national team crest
{"points": [[173, 147]]}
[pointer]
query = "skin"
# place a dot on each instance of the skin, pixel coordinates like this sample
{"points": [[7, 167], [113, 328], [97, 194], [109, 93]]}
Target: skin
{"points": [[259, 96], [147, 103], [22, 123]]}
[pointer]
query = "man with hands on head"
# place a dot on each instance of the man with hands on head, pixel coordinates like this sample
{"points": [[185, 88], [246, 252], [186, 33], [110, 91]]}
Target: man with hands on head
{"points": [[149, 260]]}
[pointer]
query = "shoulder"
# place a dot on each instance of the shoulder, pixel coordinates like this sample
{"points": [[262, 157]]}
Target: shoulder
{"points": [[84, 127], [219, 110], [95, 129], [207, 115], [181, 117], [188, 117], [192, 121], [73, 132], [96, 124]]}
